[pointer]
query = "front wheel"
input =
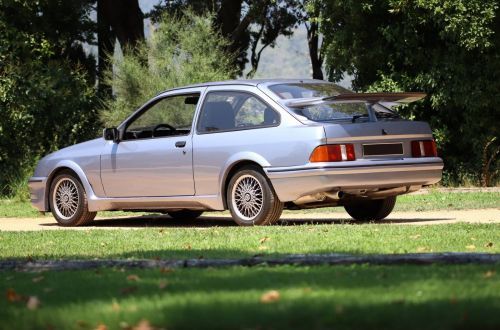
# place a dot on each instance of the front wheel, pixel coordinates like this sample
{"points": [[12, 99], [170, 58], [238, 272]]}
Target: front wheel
{"points": [[371, 209], [68, 201], [251, 198]]}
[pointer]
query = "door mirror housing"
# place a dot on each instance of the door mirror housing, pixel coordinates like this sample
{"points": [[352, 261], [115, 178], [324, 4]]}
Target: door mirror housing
{"points": [[111, 134]]}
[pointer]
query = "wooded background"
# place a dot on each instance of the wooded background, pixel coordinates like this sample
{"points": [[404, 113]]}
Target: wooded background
{"points": [[54, 92]]}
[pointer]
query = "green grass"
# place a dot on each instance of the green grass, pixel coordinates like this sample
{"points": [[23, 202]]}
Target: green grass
{"points": [[426, 202], [232, 241], [340, 297]]}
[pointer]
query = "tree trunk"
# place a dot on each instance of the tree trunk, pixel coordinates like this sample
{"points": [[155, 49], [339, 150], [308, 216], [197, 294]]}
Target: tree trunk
{"points": [[314, 50], [105, 43], [126, 20], [234, 29]]}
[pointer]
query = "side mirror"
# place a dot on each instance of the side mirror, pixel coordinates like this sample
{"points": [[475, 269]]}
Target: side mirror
{"points": [[110, 134]]}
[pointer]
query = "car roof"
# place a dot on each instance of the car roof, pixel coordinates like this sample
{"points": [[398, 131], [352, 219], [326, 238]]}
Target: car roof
{"points": [[253, 82]]}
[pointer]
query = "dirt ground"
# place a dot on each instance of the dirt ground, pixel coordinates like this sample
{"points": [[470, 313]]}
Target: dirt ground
{"points": [[400, 218]]}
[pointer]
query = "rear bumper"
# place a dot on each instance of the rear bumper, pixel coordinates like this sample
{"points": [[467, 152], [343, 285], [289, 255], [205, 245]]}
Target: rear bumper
{"points": [[37, 186], [290, 183]]}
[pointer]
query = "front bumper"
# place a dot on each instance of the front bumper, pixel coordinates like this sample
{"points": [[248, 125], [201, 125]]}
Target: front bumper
{"points": [[291, 183], [38, 186]]}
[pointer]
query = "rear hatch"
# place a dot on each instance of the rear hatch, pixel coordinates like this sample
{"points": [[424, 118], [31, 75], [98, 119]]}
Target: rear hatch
{"points": [[381, 140]]}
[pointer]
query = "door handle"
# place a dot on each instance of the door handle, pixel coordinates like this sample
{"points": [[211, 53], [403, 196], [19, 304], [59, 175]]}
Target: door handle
{"points": [[180, 144]]}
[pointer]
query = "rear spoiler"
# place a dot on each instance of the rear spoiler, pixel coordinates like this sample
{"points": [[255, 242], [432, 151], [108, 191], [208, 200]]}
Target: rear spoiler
{"points": [[357, 97]]}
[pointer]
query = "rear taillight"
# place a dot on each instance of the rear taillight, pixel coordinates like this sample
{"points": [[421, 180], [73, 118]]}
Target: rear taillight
{"points": [[425, 148], [333, 153]]}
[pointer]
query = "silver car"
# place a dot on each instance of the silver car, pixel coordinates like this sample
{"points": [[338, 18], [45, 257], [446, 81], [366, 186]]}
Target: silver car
{"points": [[254, 147]]}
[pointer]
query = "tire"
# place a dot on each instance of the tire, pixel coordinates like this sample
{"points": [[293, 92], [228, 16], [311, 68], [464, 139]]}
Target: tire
{"points": [[185, 214], [66, 188], [251, 198], [374, 209]]}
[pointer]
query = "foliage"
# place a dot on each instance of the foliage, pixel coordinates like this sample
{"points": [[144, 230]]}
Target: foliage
{"points": [[249, 26], [449, 49], [182, 50], [46, 100]]}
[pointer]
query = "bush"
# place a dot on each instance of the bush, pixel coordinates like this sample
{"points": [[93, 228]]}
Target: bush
{"points": [[45, 104], [182, 50]]}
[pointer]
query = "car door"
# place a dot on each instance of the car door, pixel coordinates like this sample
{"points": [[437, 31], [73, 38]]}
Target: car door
{"points": [[154, 156]]}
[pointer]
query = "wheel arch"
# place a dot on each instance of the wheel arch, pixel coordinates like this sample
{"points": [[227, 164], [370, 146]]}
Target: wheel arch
{"points": [[234, 167], [73, 168]]}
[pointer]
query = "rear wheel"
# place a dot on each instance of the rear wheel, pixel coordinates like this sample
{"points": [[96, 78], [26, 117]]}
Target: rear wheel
{"points": [[68, 201], [251, 198], [185, 214], [371, 209]]}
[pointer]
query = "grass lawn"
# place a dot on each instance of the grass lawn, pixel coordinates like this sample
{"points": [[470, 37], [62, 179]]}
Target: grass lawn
{"points": [[426, 202], [234, 241], [340, 297]]}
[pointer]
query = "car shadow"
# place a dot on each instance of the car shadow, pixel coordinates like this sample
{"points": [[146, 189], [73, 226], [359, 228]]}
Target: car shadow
{"points": [[164, 221]]}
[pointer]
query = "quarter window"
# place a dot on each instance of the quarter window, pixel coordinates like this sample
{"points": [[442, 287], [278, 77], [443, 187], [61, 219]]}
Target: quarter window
{"points": [[223, 111]]}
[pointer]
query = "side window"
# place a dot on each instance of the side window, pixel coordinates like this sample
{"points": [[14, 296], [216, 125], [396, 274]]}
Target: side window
{"points": [[223, 111], [170, 116]]}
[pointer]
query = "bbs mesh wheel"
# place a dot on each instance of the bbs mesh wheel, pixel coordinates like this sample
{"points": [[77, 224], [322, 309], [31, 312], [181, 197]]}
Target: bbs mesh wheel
{"points": [[251, 198], [68, 201]]}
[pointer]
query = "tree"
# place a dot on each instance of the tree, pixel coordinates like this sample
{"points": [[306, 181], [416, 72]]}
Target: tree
{"points": [[120, 20], [183, 49], [311, 16], [46, 94], [248, 24], [449, 49]]}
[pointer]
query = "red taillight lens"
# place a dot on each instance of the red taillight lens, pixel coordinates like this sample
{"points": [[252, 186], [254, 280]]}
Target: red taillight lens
{"points": [[423, 148], [333, 153]]}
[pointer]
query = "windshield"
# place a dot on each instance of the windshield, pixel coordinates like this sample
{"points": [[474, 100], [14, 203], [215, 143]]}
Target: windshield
{"points": [[303, 90]]}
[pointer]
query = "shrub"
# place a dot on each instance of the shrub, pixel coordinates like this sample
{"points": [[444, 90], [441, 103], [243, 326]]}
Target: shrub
{"points": [[182, 50]]}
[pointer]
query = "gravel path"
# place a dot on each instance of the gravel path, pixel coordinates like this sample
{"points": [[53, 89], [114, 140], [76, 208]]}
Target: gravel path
{"points": [[404, 218]]}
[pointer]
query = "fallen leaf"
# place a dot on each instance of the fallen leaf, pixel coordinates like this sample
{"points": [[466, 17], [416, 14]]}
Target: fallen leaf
{"points": [[143, 325], [453, 300], [187, 246], [263, 247], [103, 244], [270, 297], [82, 324], [101, 326], [33, 303], [339, 309], [473, 238], [422, 249], [264, 239], [162, 284], [128, 290], [489, 244], [166, 270], [415, 236], [399, 301], [470, 247], [13, 296], [37, 279], [133, 278], [489, 273]]}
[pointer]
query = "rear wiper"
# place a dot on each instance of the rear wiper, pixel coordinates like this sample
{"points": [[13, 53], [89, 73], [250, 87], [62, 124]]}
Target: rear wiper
{"points": [[358, 116]]}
